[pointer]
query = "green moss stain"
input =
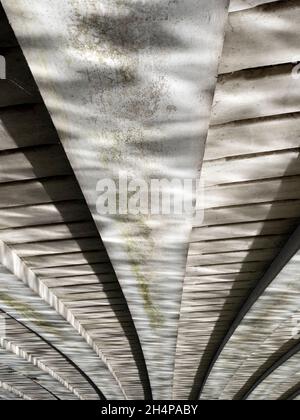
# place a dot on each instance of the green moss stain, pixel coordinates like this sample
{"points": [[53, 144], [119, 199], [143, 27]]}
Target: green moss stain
{"points": [[122, 35], [26, 311], [153, 313], [140, 247]]}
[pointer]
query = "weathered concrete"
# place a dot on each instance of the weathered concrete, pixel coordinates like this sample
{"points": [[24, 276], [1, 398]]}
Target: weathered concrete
{"points": [[129, 85]]}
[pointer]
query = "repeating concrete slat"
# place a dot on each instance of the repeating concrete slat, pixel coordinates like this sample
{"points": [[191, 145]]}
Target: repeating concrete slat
{"points": [[21, 303], [9, 393], [76, 258], [30, 380], [263, 135], [58, 247], [24, 343], [38, 192], [240, 244], [47, 232], [268, 33], [243, 230], [251, 93], [44, 214], [255, 167], [73, 270], [74, 281], [274, 314], [278, 189], [32, 163], [247, 212], [231, 257], [127, 370]]}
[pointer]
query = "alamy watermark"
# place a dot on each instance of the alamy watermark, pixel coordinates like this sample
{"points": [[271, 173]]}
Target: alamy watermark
{"points": [[129, 196]]}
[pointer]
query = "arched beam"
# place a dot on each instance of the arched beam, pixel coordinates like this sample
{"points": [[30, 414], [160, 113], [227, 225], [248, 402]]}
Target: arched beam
{"points": [[280, 383], [271, 369], [293, 395], [64, 356], [13, 391], [30, 380], [288, 251], [47, 390]]}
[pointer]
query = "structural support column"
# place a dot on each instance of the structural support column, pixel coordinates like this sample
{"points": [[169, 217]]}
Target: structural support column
{"points": [[129, 85]]}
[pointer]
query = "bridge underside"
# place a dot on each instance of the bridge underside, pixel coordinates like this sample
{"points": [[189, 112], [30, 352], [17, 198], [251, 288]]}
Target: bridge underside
{"points": [[150, 306]]}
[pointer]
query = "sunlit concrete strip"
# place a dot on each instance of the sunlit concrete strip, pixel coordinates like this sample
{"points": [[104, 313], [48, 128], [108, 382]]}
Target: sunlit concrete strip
{"points": [[10, 392], [274, 302], [26, 299], [129, 85]]}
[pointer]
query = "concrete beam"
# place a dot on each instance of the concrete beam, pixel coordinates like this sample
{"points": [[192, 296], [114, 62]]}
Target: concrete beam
{"points": [[19, 374], [278, 385], [32, 347], [281, 361]]}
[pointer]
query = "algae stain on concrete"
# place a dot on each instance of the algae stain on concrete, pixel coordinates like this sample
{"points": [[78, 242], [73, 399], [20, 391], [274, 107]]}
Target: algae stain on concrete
{"points": [[118, 33], [26, 311], [117, 41], [156, 318], [140, 246]]}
